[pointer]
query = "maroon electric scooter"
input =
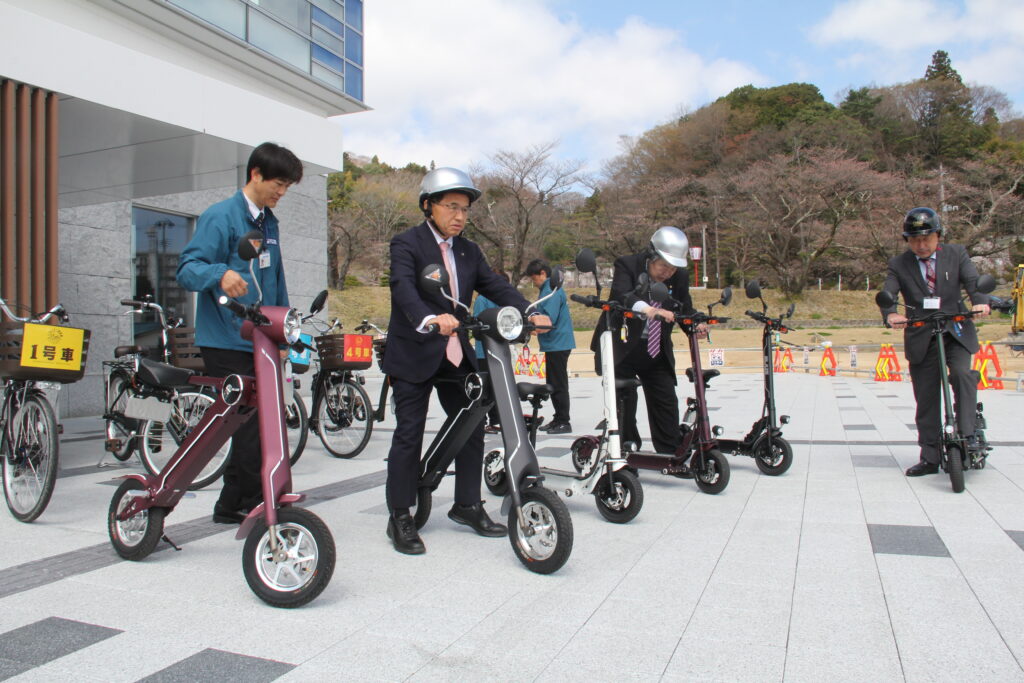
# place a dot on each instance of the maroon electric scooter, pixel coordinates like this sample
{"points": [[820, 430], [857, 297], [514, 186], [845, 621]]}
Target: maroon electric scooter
{"points": [[289, 553]]}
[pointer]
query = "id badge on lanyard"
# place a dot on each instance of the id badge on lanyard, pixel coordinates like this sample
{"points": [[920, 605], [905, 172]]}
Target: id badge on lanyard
{"points": [[931, 303], [265, 259]]}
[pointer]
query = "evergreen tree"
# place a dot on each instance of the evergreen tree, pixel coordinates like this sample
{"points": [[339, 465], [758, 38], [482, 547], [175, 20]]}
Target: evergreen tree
{"points": [[947, 125]]}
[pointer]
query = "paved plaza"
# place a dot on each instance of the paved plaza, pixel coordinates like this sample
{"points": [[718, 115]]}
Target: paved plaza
{"points": [[841, 569]]}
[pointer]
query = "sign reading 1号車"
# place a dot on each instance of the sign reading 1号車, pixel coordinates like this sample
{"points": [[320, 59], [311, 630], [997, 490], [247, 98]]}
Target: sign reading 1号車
{"points": [[52, 347]]}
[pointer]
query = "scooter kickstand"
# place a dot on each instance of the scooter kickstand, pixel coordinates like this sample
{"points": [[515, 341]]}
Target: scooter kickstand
{"points": [[170, 543]]}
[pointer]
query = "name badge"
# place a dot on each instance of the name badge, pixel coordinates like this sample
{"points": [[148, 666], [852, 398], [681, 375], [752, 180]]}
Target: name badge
{"points": [[271, 240], [265, 261], [932, 302]]}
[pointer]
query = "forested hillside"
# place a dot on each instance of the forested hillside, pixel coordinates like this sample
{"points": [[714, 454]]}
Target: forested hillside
{"points": [[777, 183]]}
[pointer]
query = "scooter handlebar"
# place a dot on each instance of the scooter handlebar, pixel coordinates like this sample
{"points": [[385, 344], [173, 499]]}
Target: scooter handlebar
{"points": [[585, 300]]}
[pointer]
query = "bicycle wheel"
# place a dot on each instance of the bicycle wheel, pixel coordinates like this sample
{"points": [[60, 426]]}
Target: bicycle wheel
{"points": [[30, 458], [120, 429], [344, 418], [297, 421], [160, 440]]}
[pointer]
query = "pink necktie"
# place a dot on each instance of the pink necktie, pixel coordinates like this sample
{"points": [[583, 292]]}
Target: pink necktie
{"points": [[929, 269], [654, 333], [454, 350]]}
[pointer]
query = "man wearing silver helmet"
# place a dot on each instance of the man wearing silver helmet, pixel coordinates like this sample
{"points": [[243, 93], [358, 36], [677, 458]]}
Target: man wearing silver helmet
{"points": [[643, 348], [416, 358], [930, 275]]}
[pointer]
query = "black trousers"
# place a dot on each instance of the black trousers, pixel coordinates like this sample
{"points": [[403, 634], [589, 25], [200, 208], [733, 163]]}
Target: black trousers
{"points": [[557, 363], [659, 383], [243, 487], [927, 382], [412, 399]]}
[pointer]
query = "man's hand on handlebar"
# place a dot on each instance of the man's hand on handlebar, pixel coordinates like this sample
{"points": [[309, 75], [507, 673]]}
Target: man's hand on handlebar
{"points": [[898, 321], [981, 309], [542, 323], [664, 314], [233, 284], [702, 331], [446, 324]]}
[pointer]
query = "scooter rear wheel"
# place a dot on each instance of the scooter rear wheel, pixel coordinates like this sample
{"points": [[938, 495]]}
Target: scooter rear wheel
{"points": [[494, 473], [136, 537], [711, 472], [301, 568], [546, 542], [955, 466], [620, 501], [773, 455]]}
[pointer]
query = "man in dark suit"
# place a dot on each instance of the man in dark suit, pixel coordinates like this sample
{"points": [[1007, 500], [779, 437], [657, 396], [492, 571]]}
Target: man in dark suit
{"points": [[643, 348], [931, 276], [416, 358]]}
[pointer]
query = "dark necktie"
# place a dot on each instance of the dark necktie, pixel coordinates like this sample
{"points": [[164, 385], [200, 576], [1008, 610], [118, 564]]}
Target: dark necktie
{"points": [[929, 273], [259, 220]]}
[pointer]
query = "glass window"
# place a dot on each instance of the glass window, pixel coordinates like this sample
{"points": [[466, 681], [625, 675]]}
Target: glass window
{"points": [[354, 81], [328, 40], [225, 14], [267, 34], [159, 240], [295, 14], [353, 46], [354, 14], [328, 58], [331, 7], [327, 21], [327, 76]]}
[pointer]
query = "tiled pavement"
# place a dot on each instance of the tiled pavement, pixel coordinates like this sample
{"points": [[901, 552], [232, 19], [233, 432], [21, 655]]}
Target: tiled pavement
{"points": [[841, 569]]}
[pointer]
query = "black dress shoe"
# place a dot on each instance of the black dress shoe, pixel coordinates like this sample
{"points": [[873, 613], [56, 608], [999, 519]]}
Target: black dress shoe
{"points": [[475, 516], [560, 428], [922, 468], [402, 532], [546, 427], [225, 515]]}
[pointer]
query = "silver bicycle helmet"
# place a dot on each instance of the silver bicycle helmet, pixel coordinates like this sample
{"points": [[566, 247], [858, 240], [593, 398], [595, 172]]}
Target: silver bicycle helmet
{"points": [[670, 244], [442, 180]]}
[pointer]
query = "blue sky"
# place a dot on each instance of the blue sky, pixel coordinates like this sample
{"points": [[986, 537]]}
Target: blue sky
{"points": [[455, 85]]}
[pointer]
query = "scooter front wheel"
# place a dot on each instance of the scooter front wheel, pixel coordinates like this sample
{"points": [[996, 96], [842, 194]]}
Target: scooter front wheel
{"points": [[299, 569], [773, 455], [711, 471], [955, 465], [619, 496], [136, 537], [544, 543], [494, 473]]}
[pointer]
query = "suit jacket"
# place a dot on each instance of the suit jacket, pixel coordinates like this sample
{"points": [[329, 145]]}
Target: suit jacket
{"points": [[624, 281], [953, 272], [414, 356]]}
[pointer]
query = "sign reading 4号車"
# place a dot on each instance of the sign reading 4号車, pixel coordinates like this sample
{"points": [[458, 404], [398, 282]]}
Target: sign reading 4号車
{"points": [[52, 347]]}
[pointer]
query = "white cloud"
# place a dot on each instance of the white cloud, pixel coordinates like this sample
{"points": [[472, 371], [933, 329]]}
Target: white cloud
{"points": [[457, 84]]}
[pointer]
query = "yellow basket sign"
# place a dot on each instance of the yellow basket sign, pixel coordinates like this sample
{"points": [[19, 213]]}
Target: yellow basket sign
{"points": [[52, 347]]}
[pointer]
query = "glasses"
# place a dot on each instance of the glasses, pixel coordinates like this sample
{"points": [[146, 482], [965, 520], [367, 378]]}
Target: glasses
{"points": [[456, 208]]}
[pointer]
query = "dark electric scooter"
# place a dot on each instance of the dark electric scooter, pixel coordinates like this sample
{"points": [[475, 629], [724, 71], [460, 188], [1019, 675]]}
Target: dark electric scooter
{"points": [[954, 454], [601, 469], [289, 554], [698, 456], [539, 525], [764, 442]]}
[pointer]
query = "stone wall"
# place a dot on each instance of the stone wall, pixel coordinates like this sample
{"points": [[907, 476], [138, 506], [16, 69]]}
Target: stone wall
{"points": [[96, 268]]}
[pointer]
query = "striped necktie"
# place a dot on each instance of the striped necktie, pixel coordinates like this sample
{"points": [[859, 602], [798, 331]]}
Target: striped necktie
{"points": [[929, 271], [654, 333]]}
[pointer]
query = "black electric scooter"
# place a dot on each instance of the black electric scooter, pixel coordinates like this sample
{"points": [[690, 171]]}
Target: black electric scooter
{"points": [[764, 442], [539, 525], [954, 454]]}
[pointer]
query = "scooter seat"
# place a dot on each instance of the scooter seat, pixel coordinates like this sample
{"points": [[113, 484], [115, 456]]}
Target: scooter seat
{"points": [[125, 350], [162, 375], [708, 374], [623, 384], [529, 389]]}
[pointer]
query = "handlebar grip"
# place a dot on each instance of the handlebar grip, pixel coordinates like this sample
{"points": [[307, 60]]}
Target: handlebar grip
{"points": [[750, 313], [233, 306], [433, 328], [132, 302], [580, 299]]}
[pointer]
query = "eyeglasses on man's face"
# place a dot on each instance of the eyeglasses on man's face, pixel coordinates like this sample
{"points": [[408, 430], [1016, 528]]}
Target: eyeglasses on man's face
{"points": [[455, 208]]}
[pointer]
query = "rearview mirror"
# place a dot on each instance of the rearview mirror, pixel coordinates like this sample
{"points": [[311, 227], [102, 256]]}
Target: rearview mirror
{"points": [[885, 299], [789, 311], [659, 292], [556, 277], [726, 296], [753, 290], [986, 284], [318, 302], [586, 262], [250, 244], [433, 278]]}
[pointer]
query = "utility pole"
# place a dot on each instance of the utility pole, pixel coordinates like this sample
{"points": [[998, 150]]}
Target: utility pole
{"points": [[718, 270]]}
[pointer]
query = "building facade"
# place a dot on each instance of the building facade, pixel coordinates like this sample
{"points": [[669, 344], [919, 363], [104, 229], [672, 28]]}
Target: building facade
{"points": [[158, 105]]}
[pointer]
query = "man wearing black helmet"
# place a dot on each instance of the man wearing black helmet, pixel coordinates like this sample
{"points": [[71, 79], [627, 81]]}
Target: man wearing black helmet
{"points": [[415, 358], [643, 348], [931, 276]]}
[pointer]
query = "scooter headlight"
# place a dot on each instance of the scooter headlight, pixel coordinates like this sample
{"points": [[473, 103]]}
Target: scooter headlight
{"points": [[509, 323], [717, 430], [292, 326]]}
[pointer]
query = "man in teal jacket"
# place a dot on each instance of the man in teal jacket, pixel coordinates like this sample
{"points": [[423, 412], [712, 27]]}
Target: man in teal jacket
{"points": [[556, 343], [210, 265]]}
